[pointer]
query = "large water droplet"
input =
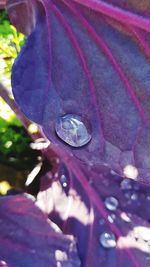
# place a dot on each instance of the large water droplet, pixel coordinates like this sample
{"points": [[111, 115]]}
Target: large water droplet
{"points": [[111, 203], [107, 240], [72, 130]]}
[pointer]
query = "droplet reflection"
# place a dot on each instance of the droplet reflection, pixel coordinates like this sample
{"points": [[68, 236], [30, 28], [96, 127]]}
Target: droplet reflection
{"points": [[72, 130], [111, 218], [111, 203], [63, 180], [107, 240]]}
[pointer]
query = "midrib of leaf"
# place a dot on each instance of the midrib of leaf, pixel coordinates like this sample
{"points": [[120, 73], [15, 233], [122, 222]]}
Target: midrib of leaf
{"points": [[94, 197], [82, 59], [92, 194]]}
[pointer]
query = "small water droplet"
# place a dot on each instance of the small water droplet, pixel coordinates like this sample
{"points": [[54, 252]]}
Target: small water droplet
{"points": [[125, 217], [126, 184], [131, 196], [63, 180], [111, 203], [134, 196], [107, 240], [61, 255], [111, 218], [72, 130]]}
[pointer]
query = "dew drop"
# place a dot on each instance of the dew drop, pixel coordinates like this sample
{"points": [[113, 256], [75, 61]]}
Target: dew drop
{"points": [[126, 184], [111, 218], [72, 130], [63, 180], [107, 240], [134, 196], [125, 217], [111, 203]]}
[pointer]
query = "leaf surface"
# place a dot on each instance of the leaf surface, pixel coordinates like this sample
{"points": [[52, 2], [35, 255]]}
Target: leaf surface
{"points": [[80, 55], [70, 207], [26, 238], [91, 58]]}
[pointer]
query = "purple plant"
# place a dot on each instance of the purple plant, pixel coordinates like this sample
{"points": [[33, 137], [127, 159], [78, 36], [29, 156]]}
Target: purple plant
{"points": [[83, 76]]}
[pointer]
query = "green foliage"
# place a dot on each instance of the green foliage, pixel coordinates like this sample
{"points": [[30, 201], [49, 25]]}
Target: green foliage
{"points": [[10, 44], [14, 141]]}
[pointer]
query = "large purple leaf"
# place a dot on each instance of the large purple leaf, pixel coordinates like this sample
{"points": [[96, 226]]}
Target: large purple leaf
{"points": [[27, 239], [91, 59], [96, 54]]}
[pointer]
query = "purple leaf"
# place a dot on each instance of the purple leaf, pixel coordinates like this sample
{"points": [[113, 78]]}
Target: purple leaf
{"points": [[83, 75], [27, 239], [100, 60], [22, 14]]}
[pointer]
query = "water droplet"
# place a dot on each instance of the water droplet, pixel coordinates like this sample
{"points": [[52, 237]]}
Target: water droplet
{"points": [[131, 196], [60, 255], [125, 217], [107, 240], [134, 196], [72, 130], [63, 180], [111, 218], [111, 203], [126, 184]]}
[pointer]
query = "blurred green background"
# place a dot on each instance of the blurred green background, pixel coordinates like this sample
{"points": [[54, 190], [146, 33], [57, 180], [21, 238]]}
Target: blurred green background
{"points": [[17, 159]]}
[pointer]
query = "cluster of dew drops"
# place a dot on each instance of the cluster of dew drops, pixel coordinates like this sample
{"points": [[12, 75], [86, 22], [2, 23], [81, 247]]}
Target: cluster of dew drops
{"points": [[72, 130], [130, 191]]}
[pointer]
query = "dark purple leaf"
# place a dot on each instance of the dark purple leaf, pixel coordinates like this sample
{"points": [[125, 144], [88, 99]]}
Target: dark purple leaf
{"points": [[100, 60], [90, 60], [22, 14], [27, 239]]}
